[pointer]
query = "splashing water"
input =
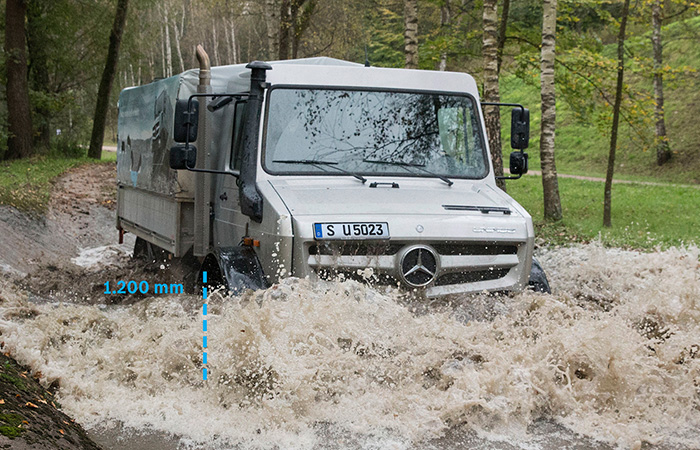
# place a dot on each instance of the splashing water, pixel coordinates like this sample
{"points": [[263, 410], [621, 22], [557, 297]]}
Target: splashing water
{"points": [[613, 355]]}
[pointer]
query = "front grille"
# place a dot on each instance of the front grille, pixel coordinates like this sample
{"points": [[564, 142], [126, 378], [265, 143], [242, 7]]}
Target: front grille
{"points": [[376, 279], [471, 277], [355, 248], [467, 249]]}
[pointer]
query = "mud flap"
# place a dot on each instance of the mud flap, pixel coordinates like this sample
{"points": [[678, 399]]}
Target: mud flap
{"points": [[538, 279], [241, 269]]}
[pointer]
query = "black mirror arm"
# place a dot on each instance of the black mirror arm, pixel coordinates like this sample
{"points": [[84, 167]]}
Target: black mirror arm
{"points": [[510, 178], [514, 105]]}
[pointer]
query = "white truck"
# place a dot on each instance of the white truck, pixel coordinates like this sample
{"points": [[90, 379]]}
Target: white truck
{"points": [[321, 168]]}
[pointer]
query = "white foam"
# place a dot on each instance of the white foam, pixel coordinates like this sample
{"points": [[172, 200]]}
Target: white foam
{"points": [[285, 361], [98, 257]]}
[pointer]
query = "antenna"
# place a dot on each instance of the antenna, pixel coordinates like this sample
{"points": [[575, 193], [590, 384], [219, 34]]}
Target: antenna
{"points": [[366, 57]]}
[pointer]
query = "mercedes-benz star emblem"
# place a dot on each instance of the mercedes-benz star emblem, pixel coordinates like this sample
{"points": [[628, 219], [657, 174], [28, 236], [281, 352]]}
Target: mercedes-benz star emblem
{"points": [[419, 266]]}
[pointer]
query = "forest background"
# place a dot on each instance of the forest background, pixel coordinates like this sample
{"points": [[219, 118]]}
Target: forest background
{"points": [[67, 44]]}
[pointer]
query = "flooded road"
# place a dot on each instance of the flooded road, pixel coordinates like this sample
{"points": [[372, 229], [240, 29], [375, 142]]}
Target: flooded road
{"points": [[612, 355], [610, 359]]}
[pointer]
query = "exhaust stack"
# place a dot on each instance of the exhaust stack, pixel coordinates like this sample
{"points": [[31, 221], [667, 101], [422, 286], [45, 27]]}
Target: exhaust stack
{"points": [[202, 185], [204, 67]]}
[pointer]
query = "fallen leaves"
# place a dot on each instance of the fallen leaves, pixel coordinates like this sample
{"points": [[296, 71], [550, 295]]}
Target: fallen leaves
{"points": [[31, 405]]}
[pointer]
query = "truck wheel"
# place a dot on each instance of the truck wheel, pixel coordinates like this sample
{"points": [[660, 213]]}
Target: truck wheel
{"points": [[214, 278], [538, 279]]}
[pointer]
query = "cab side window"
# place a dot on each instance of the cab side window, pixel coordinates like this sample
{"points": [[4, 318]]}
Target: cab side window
{"points": [[237, 140]]}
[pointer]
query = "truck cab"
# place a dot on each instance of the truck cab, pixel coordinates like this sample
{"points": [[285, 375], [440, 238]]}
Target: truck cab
{"points": [[322, 168]]}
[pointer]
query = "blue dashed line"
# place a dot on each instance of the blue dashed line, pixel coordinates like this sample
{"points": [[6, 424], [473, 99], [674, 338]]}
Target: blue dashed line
{"points": [[204, 326]]}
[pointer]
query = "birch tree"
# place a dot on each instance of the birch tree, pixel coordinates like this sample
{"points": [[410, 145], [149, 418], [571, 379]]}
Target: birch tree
{"points": [[168, 47], [663, 150], [550, 183], [445, 21], [272, 22], [607, 197], [492, 115], [410, 35]]}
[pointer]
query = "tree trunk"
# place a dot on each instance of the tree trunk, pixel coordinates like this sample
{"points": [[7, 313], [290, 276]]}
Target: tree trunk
{"points": [[607, 199], [215, 43], [19, 121], [663, 150], [163, 67], [39, 71], [178, 37], [234, 44], [301, 22], [502, 31], [168, 46], [492, 115], [410, 34], [285, 28], [550, 184], [445, 18], [272, 10], [105, 90]]}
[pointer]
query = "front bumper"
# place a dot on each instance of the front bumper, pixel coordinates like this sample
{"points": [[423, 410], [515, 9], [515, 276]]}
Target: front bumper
{"points": [[489, 254]]}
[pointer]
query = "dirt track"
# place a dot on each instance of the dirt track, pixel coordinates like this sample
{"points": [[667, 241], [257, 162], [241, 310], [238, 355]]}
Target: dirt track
{"points": [[33, 253]]}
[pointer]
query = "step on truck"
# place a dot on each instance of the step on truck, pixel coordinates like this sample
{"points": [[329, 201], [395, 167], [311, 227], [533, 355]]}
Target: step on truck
{"points": [[323, 168]]}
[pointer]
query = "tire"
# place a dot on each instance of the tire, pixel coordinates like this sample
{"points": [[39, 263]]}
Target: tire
{"points": [[538, 279]]}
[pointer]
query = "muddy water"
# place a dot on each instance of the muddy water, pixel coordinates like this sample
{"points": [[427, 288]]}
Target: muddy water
{"points": [[613, 356]]}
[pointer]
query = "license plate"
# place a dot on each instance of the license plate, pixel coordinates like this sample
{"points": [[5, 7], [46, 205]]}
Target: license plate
{"points": [[351, 230]]}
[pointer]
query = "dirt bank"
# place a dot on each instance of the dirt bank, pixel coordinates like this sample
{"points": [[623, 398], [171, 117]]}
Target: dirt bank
{"points": [[80, 215], [35, 253], [30, 418]]}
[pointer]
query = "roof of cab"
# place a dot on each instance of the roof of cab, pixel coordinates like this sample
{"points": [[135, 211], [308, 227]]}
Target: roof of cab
{"points": [[324, 71]]}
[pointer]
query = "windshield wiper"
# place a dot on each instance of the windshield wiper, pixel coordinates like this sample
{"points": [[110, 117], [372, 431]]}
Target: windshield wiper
{"points": [[406, 165], [318, 162]]}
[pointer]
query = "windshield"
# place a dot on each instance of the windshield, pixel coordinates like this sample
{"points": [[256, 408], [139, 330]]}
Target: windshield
{"points": [[373, 133]]}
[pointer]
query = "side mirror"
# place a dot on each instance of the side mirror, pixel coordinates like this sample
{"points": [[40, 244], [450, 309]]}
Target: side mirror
{"points": [[518, 163], [519, 129], [183, 157], [182, 118]]}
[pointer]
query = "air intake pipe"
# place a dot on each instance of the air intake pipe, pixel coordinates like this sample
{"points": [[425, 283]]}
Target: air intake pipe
{"points": [[250, 198]]}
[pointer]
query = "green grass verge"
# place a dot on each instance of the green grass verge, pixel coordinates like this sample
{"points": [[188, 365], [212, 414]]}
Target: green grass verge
{"points": [[26, 183], [643, 216]]}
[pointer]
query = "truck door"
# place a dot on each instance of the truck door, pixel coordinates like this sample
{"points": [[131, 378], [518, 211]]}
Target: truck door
{"points": [[229, 222]]}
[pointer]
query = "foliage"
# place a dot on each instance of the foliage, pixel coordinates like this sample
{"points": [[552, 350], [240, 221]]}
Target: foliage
{"points": [[583, 115]]}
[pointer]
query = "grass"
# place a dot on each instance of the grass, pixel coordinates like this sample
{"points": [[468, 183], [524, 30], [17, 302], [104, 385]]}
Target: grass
{"points": [[26, 184], [643, 216]]}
